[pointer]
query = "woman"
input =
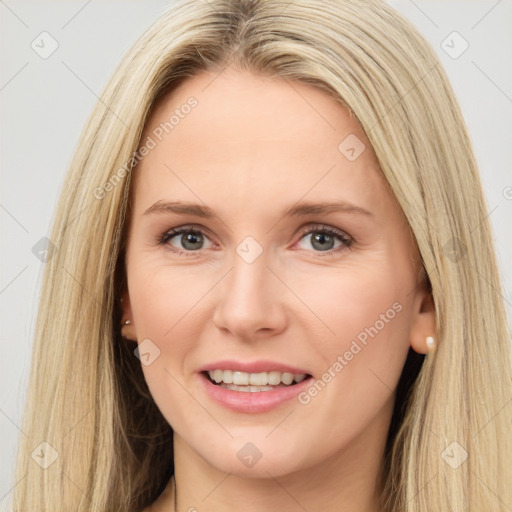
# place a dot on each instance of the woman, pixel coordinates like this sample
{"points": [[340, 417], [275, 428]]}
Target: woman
{"points": [[274, 286]]}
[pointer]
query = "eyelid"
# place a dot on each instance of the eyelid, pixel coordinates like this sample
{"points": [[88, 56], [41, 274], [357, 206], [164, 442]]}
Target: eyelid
{"points": [[162, 239], [324, 227], [345, 239]]}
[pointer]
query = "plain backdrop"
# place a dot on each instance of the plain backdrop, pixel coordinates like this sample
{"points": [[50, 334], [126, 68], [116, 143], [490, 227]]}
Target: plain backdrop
{"points": [[46, 99]]}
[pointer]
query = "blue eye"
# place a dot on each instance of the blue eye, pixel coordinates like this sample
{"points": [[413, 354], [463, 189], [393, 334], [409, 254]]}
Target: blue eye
{"points": [[322, 238]]}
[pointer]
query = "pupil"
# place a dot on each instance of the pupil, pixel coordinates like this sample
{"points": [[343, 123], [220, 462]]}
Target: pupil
{"points": [[322, 238], [192, 238]]}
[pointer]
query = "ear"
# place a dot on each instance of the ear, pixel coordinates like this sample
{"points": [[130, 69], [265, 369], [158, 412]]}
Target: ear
{"points": [[423, 322], [127, 330]]}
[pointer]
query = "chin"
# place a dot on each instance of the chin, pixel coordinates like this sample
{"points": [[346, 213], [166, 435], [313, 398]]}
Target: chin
{"points": [[257, 459]]}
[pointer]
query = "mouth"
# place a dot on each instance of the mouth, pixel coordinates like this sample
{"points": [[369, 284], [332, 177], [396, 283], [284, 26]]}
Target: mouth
{"points": [[235, 380]]}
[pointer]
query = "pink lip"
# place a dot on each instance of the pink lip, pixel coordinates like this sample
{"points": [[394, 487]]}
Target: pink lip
{"points": [[248, 402], [252, 403], [251, 367]]}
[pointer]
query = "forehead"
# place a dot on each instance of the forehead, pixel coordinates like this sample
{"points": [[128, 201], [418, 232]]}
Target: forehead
{"points": [[241, 137]]}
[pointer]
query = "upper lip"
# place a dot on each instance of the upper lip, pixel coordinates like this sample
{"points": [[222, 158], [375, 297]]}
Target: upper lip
{"points": [[252, 367]]}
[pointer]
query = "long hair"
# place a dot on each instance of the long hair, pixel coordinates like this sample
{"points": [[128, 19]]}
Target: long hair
{"points": [[449, 447]]}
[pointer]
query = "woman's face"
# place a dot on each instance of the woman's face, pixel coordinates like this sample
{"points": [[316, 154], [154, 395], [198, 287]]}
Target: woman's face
{"points": [[292, 280]]}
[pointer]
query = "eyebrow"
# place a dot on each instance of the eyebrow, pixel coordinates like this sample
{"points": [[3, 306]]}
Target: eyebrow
{"points": [[297, 210]]}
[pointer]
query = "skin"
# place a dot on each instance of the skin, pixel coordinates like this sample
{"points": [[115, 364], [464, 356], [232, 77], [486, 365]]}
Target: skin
{"points": [[252, 147]]}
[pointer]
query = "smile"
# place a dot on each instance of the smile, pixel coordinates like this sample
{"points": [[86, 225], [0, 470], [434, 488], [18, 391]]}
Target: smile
{"points": [[248, 388], [254, 382]]}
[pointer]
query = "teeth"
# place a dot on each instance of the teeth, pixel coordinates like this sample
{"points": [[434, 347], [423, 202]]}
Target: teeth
{"points": [[253, 381], [239, 378], [251, 389], [227, 376], [274, 378], [287, 378]]}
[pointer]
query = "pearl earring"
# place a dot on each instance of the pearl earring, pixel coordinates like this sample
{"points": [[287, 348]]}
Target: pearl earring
{"points": [[430, 343], [124, 326]]}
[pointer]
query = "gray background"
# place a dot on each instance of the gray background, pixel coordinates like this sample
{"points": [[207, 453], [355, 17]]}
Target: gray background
{"points": [[46, 101]]}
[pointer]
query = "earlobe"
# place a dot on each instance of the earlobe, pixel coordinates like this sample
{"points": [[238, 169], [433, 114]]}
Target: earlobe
{"points": [[423, 326], [127, 327]]}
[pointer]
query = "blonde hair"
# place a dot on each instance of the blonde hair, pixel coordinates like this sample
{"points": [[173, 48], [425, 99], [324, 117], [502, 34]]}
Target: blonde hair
{"points": [[87, 396]]}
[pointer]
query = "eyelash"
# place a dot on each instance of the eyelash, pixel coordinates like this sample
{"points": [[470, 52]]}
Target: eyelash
{"points": [[345, 239]]}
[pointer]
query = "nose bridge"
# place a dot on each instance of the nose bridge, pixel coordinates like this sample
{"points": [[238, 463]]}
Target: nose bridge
{"points": [[249, 278], [249, 300], [250, 281]]}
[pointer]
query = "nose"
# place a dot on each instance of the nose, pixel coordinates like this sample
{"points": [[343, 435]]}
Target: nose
{"points": [[251, 301]]}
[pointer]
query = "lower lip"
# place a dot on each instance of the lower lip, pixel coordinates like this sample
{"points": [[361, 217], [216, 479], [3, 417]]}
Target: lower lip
{"points": [[252, 402]]}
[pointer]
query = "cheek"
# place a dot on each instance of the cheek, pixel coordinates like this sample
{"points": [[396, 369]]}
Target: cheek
{"points": [[168, 307], [352, 323], [362, 303], [368, 313], [163, 299]]}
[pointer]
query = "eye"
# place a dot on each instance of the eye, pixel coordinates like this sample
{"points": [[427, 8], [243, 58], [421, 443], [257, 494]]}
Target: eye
{"points": [[191, 240], [323, 239]]}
